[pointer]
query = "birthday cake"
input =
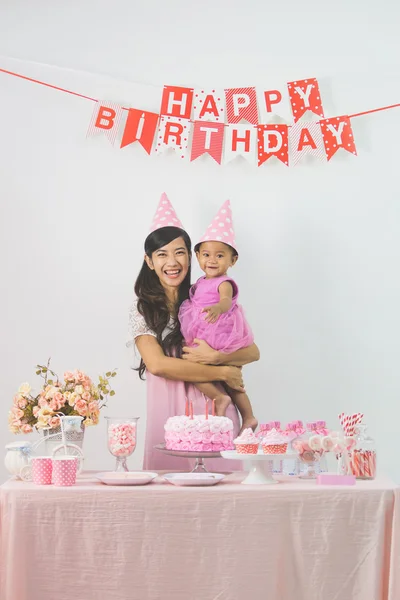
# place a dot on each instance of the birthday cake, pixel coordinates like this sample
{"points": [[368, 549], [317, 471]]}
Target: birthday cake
{"points": [[199, 433]]}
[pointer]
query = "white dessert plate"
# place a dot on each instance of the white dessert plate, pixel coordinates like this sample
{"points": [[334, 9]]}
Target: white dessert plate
{"points": [[193, 478], [126, 478]]}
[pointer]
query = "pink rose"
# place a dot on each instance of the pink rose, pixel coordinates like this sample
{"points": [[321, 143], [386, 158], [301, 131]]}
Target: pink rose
{"points": [[58, 397], [80, 377], [86, 396], [81, 407], [54, 421], [207, 436], [185, 437], [217, 438], [23, 403], [35, 410], [69, 376], [17, 423], [26, 429], [196, 437], [93, 406], [18, 413], [42, 403]]}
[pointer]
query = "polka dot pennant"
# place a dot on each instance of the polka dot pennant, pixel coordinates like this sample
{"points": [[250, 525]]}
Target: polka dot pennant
{"points": [[209, 105], [221, 227], [272, 140], [305, 95], [165, 215], [173, 132], [305, 138], [337, 133]]}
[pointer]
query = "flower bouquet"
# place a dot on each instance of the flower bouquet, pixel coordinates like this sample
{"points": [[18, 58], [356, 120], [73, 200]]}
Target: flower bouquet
{"points": [[77, 395]]}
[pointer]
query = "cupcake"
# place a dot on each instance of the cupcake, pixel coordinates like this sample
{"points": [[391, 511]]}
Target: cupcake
{"points": [[275, 442], [247, 442]]}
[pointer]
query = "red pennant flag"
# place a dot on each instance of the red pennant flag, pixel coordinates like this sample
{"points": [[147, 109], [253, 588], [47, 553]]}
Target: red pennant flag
{"points": [[207, 139], [304, 95], [241, 103], [273, 141], [140, 127], [177, 102], [337, 133]]}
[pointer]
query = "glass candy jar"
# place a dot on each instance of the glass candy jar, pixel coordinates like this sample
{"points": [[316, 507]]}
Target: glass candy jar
{"points": [[363, 456], [310, 465], [121, 439]]}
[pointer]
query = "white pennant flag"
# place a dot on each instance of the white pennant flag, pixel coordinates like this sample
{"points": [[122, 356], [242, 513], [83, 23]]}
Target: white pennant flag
{"points": [[240, 140], [105, 120], [173, 132], [305, 138], [209, 105]]}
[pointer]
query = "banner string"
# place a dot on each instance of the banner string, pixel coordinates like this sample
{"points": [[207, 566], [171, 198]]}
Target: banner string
{"points": [[60, 89]]}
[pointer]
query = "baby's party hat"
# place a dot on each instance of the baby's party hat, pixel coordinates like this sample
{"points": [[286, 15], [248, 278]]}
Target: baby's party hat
{"points": [[165, 215], [221, 227]]}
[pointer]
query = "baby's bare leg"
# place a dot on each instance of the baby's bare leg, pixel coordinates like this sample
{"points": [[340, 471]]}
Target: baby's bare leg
{"points": [[243, 404], [222, 401]]}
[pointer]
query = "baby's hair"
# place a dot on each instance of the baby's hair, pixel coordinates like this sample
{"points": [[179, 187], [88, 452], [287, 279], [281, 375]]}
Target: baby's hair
{"points": [[231, 248]]}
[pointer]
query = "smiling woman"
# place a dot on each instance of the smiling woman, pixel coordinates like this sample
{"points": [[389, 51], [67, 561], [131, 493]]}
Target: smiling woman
{"points": [[161, 287]]}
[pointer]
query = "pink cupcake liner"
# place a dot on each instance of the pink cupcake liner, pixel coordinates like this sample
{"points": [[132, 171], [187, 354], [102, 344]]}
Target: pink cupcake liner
{"points": [[275, 449], [247, 448]]}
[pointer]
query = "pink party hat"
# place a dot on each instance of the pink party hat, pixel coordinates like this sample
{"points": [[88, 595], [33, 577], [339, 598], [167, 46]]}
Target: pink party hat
{"points": [[221, 227], [165, 215]]}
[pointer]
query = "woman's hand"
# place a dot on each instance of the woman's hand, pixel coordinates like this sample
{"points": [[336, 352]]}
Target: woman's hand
{"points": [[202, 353], [234, 378]]}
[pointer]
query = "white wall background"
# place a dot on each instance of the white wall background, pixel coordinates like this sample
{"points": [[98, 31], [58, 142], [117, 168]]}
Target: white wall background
{"points": [[319, 243]]}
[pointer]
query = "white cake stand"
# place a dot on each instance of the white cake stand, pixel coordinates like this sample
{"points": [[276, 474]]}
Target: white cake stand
{"points": [[199, 466], [257, 475]]}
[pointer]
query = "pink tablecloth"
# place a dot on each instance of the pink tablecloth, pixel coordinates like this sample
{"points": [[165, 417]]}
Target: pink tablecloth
{"points": [[292, 541]]}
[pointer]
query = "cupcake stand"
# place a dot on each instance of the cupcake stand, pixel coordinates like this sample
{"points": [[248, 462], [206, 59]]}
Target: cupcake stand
{"points": [[257, 473], [199, 466]]}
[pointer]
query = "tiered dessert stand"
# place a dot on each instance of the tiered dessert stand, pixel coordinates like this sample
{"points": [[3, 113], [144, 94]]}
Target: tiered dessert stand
{"points": [[199, 466], [257, 473]]}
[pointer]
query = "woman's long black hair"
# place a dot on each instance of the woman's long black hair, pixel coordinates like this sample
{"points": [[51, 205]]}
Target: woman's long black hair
{"points": [[152, 301]]}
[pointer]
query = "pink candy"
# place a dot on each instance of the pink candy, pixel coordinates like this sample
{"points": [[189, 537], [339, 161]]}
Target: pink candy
{"points": [[122, 439]]}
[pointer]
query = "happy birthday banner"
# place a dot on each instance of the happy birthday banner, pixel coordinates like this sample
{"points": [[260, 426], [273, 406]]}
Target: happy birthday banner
{"points": [[233, 122], [229, 123]]}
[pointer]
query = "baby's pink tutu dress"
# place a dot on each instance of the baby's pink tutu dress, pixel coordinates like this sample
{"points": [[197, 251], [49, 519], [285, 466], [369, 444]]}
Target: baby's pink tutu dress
{"points": [[230, 332]]}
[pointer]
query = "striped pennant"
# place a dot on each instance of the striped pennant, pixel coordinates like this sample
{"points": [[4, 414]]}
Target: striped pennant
{"points": [[305, 138], [241, 103], [106, 119]]}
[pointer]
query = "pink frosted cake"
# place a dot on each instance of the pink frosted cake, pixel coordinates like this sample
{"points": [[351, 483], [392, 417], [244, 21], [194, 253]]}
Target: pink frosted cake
{"points": [[199, 434]]}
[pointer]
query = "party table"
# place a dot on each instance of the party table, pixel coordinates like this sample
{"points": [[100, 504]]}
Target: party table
{"points": [[292, 541]]}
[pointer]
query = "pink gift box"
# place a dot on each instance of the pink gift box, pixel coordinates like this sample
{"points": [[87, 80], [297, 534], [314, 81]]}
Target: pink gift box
{"points": [[335, 479]]}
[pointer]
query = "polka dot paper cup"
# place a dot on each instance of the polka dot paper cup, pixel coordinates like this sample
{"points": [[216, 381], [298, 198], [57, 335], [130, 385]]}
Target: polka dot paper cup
{"points": [[247, 448], [64, 470], [39, 470]]}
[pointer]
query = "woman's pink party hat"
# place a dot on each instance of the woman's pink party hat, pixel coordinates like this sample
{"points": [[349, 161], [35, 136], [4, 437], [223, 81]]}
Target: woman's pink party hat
{"points": [[165, 215], [221, 227]]}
